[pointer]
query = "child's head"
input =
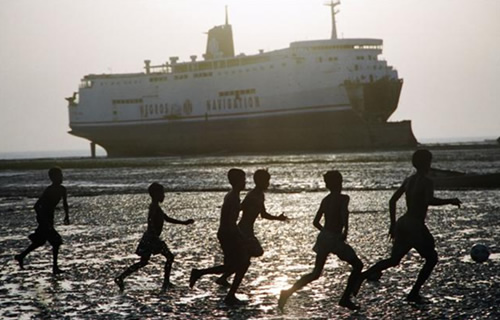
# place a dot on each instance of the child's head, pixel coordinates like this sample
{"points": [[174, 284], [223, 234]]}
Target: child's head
{"points": [[157, 192], [261, 178], [236, 178], [333, 180], [421, 160], [55, 175]]}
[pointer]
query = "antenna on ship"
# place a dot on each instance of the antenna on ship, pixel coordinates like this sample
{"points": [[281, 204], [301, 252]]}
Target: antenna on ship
{"points": [[227, 17], [334, 24]]}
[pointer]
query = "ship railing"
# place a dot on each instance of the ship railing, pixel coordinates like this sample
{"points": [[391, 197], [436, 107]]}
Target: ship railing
{"points": [[218, 64]]}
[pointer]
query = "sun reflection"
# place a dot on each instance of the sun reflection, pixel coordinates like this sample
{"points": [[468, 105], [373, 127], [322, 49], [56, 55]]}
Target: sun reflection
{"points": [[278, 284], [107, 227]]}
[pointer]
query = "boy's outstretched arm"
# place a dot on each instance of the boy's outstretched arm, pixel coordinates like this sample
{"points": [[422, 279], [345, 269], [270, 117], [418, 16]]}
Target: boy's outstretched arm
{"points": [[269, 216], [392, 207], [433, 201], [440, 202], [175, 221]]}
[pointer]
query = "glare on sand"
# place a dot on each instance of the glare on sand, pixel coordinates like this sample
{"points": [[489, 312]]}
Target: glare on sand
{"points": [[98, 245], [109, 218]]}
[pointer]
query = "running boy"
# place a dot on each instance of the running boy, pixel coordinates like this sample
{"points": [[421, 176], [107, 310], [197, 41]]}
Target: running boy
{"points": [[44, 209], [151, 243], [331, 239], [232, 241], [252, 206], [410, 230]]}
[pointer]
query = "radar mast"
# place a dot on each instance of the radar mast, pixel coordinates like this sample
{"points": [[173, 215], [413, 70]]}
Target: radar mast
{"points": [[332, 5]]}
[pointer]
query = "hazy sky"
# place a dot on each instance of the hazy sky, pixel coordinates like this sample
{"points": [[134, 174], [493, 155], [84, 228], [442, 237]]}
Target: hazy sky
{"points": [[447, 52]]}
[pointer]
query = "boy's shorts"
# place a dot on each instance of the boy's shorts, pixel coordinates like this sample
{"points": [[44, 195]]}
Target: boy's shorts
{"points": [[43, 234], [151, 245], [254, 247], [412, 233], [330, 242], [233, 247]]}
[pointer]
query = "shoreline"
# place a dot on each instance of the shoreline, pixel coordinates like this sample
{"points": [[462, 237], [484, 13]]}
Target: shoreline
{"points": [[80, 162]]}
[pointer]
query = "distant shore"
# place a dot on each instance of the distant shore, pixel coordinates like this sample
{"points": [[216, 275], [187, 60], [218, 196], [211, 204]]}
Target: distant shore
{"points": [[487, 144], [102, 161]]}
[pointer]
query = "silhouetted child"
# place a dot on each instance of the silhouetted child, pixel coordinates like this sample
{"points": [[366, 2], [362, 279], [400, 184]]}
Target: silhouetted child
{"points": [[151, 243], [331, 239], [410, 230], [44, 208], [232, 241], [253, 206]]}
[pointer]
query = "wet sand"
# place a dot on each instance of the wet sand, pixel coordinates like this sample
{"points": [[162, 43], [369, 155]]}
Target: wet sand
{"points": [[101, 241], [108, 208]]}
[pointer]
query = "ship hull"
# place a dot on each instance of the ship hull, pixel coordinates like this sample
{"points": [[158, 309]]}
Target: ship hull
{"points": [[309, 132]]}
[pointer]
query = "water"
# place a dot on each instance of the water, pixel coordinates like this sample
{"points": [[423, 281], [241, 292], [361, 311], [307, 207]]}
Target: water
{"points": [[108, 207]]}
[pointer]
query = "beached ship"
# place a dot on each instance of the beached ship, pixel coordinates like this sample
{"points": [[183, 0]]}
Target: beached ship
{"points": [[313, 96], [449, 179]]}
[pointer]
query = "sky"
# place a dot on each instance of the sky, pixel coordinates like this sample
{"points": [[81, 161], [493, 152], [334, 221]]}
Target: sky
{"points": [[447, 52]]}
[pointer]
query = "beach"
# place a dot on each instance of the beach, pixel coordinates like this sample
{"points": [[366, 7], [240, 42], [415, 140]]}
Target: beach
{"points": [[108, 209]]}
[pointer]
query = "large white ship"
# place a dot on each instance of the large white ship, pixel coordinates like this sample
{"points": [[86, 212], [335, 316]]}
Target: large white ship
{"points": [[313, 96]]}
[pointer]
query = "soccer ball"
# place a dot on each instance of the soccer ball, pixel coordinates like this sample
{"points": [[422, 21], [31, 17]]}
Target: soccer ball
{"points": [[479, 253]]}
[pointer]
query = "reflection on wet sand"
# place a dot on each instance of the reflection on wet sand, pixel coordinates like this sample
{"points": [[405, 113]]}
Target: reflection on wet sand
{"points": [[107, 227], [97, 245]]}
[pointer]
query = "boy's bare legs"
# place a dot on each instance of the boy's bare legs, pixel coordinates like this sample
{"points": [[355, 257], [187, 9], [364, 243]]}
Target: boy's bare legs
{"points": [[168, 269], [431, 259], [133, 268], [222, 280], [380, 266], [239, 273], [304, 280], [55, 267], [373, 273], [354, 278], [239, 269], [198, 273], [20, 257]]}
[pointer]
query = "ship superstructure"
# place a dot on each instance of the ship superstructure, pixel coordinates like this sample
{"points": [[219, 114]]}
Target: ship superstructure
{"points": [[312, 96]]}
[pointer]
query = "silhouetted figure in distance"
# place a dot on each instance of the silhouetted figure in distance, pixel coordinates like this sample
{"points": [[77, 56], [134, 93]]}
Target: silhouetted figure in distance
{"points": [[151, 242], [232, 241], [410, 230], [331, 239], [44, 208], [253, 206]]}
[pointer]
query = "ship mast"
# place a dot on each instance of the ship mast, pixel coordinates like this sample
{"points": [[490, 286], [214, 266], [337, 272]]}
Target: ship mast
{"points": [[332, 5]]}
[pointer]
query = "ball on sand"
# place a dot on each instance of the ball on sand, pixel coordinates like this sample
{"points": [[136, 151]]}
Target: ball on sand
{"points": [[479, 253]]}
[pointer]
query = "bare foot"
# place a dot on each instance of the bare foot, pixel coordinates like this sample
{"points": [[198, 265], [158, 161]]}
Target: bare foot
{"points": [[416, 298], [195, 275], [346, 303], [119, 283], [19, 259], [57, 271], [168, 285], [233, 301]]}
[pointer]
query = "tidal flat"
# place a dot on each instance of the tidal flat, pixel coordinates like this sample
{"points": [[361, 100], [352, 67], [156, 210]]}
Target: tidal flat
{"points": [[108, 210]]}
